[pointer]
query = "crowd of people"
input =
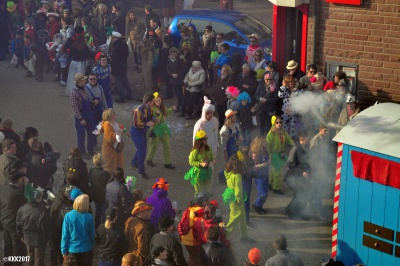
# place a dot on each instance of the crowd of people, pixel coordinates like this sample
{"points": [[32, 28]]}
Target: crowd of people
{"points": [[88, 48]]}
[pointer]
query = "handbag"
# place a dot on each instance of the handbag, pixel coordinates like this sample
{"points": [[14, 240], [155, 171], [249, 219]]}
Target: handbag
{"points": [[120, 147]]}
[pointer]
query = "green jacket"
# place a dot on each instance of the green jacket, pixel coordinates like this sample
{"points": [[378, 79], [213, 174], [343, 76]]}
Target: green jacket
{"points": [[274, 143], [195, 157], [234, 181]]}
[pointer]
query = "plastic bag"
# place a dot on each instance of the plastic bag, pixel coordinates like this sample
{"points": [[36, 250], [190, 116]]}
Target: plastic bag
{"points": [[130, 182]]}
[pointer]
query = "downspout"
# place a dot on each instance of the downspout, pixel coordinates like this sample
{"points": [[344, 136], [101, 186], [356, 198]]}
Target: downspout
{"points": [[315, 32]]}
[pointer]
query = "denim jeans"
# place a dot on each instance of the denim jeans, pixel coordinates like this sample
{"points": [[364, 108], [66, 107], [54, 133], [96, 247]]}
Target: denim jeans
{"points": [[100, 216], [247, 184], [246, 134], [261, 183], [80, 134], [138, 136]]}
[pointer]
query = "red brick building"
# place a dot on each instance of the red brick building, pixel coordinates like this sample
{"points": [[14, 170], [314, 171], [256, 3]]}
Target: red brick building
{"points": [[361, 37]]}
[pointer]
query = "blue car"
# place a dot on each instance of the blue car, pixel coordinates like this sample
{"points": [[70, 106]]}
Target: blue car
{"points": [[236, 27]]}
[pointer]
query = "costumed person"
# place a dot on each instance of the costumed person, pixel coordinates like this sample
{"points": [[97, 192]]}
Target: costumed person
{"points": [[79, 52], [232, 94], [230, 134], [350, 111], [277, 140], [209, 123], [82, 109], [160, 132], [234, 196], [252, 48], [245, 116], [161, 203], [259, 155], [267, 99], [200, 158], [112, 130], [297, 178], [142, 120]]}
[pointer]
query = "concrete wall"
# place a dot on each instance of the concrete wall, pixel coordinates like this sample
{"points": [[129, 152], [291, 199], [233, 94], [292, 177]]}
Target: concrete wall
{"points": [[367, 35]]}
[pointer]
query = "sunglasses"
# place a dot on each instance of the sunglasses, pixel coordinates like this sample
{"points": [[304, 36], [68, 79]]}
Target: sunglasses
{"points": [[278, 122], [312, 71], [218, 38], [93, 79], [157, 101]]}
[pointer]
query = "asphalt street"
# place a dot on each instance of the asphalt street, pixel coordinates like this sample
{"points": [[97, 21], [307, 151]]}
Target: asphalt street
{"points": [[45, 106]]}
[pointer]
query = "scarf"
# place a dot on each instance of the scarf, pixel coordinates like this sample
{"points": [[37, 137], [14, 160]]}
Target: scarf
{"points": [[207, 38], [172, 58], [350, 112]]}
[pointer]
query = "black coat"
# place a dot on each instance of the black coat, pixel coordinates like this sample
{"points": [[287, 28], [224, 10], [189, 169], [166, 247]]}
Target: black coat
{"points": [[175, 67], [33, 224], [10, 134], [98, 182], [216, 254], [249, 80], [119, 57], [11, 199], [272, 98], [81, 168], [172, 245], [39, 173], [118, 23], [153, 16]]}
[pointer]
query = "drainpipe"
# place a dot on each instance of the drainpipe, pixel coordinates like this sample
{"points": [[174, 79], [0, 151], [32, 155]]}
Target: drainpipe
{"points": [[315, 32]]}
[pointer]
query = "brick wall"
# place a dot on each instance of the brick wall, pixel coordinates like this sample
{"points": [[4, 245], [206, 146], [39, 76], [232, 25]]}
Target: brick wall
{"points": [[367, 35]]}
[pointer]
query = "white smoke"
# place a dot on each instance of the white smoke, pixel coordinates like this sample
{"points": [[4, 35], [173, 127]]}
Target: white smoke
{"points": [[306, 102]]}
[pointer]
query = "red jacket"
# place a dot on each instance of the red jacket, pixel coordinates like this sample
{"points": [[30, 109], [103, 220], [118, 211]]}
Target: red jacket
{"points": [[200, 228], [30, 32], [53, 27]]}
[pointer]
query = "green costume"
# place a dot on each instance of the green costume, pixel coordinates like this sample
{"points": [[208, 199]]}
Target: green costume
{"points": [[276, 144], [160, 133], [236, 205], [200, 177]]}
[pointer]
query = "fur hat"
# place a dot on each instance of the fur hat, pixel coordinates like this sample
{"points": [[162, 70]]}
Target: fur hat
{"points": [[116, 34], [232, 91], [164, 222], [254, 256], [52, 14], [207, 105], [291, 65], [41, 11], [140, 206], [196, 63], [51, 46]]}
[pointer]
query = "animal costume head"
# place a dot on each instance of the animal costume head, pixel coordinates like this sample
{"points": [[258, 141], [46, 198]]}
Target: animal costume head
{"points": [[207, 107]]}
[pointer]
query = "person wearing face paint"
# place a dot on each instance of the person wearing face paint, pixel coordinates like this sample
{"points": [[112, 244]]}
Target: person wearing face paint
{"points": [[277, 140], [160, 132]]}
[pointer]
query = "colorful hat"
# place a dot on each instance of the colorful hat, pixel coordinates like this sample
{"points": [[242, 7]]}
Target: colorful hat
{"points": [[291, 65], [244, 96], [254, 256], [116, 34], [140, 206], [76, 192], [32, 193], [161, 183], [230, 113], [233, 91], [78, 77], [11, 6], [200, 134]]}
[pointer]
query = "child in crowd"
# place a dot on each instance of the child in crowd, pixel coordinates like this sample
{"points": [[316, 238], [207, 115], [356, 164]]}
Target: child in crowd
{"points": [[200, 159], [244, 114], [61, 57], [234, 196], [28, 61], [98, 179], [17, 49], [232, 93]]}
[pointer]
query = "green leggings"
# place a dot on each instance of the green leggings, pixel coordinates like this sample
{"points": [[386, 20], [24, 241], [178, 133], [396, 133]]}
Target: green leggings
{"points": [[153, 145]]}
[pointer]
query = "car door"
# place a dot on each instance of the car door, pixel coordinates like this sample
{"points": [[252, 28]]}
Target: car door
{"points": [[235, 39]]}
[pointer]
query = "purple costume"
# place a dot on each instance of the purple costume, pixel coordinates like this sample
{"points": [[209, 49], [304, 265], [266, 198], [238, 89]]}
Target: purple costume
{"points": [[162, 206]]}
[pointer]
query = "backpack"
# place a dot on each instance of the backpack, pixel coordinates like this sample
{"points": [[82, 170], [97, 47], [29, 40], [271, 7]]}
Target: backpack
{"points": [[183, 225]]}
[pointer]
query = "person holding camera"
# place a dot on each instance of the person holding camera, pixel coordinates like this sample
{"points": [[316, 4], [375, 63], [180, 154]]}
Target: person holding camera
{"points": [[277, 140]]}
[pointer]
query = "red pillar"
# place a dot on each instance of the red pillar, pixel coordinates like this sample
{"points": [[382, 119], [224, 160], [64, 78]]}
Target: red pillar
{"points": [[304, 35], [278, 37]]}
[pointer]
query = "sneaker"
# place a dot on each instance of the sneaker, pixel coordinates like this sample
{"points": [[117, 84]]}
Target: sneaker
{"points": [[278, 192], [144, 176], [249, 224], [150, 163], [246, 239], [259, 210], [134, 167], [169, 166]]}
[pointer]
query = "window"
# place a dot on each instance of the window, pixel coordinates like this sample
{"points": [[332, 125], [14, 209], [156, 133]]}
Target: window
{"points": [[228, 31], [249, 25], [350, 69], [200, 25]]}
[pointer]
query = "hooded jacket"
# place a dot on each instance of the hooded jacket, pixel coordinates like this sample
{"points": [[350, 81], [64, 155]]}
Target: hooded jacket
{"points": [[162, 206], [235, 181], [209, 126]]}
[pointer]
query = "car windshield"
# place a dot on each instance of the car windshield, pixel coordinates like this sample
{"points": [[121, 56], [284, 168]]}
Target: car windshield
{"points": [[249, 25]]}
